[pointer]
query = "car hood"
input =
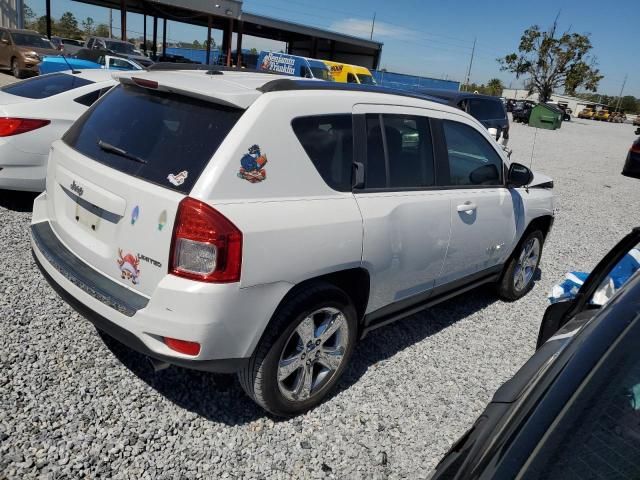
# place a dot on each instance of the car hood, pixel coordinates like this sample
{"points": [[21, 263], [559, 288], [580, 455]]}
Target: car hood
{"points": [[39, 51], [540, 179]]}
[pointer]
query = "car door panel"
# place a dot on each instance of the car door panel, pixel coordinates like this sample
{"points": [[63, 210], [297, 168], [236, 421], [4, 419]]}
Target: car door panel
{"points": [[484, 213], [406, 230]]}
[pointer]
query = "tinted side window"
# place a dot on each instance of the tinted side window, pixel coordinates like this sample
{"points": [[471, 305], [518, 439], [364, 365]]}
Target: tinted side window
{"points": [[472, 160], [90, 98], [4, 35], [328, 140], [46, 85], [90, 43], [598, 434], [486, 109], [408, 162]]}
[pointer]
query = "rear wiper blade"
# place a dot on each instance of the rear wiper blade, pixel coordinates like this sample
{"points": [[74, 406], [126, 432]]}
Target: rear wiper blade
{"points": [[107, 147]]}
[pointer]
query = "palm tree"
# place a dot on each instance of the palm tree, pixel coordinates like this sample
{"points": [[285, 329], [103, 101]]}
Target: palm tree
{"points": [[495, 87]]}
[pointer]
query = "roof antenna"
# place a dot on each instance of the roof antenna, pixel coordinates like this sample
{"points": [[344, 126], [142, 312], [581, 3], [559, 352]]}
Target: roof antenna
{"points": [[69, 65]]}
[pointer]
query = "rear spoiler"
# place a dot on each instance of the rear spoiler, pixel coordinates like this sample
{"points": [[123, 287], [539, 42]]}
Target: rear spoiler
{"points": [[154, 85]]}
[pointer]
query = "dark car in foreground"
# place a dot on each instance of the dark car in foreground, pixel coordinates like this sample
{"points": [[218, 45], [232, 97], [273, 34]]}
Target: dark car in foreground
{"points": [[573, 410], [490, 111]]}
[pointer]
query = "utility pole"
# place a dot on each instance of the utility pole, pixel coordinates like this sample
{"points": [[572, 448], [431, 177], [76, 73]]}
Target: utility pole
{"points": [[110, 23], [373, 24], [473, 51], [621, 90]]}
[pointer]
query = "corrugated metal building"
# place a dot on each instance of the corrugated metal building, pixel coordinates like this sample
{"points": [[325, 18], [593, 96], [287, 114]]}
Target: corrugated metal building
{"points": [[11, 13]]}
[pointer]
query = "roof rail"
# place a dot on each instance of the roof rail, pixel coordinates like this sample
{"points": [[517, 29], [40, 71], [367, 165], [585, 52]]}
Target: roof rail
{"points": [[286, 84]]}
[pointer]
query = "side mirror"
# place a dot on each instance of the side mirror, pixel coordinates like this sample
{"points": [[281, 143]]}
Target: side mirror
{"points": [[637, 131], [552, 321], [357, 175], [519, 175], [5, 41]]}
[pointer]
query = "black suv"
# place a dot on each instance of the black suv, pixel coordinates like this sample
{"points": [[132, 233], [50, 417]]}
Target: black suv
{"points": [[490, 111], [573, 410]]}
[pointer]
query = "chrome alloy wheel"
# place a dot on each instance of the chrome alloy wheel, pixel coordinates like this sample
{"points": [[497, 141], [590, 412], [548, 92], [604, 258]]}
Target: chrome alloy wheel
{"points": [[312, 354], [527, 263]]}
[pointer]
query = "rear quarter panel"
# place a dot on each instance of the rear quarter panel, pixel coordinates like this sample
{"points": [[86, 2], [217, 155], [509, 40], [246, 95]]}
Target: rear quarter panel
{"points": [[294, 226]]}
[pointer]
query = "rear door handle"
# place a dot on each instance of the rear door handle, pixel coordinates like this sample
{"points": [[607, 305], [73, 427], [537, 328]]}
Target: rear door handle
{"points": [[467, 207]]}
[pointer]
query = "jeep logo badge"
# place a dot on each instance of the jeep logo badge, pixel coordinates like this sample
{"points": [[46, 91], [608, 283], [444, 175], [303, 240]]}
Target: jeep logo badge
{"points": [[76, 188]]}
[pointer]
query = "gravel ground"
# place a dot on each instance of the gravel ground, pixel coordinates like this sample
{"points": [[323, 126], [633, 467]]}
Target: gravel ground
{"points": [[75, 405]]}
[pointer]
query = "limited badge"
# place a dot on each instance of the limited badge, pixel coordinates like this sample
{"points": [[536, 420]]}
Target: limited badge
{"points": [[129, 266], [252, 165], [179, 178], [135, 213]]}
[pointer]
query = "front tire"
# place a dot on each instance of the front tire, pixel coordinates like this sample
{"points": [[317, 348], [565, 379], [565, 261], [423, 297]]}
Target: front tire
{"points": [[304, 351], [517, 278], [15, 68]]}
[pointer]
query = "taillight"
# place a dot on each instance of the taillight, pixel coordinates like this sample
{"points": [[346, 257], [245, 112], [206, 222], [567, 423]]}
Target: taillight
{"points": [[206, 246], [635, 147], [16, 126], [182, 346]]}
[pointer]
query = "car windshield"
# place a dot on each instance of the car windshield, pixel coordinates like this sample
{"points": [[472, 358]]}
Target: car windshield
{"points": [[45, 86], [121, 47], [366, 79], [321, 73], [30, 40], [169, 134], [598, 433]]}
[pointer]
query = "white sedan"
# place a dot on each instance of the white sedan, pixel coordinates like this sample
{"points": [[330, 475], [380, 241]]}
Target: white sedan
{"points": [[37, 111]]}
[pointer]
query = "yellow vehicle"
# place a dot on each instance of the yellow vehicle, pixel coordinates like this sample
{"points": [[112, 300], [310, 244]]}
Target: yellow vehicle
{"points": [[603, 115], [586, 113], [345, 73]]}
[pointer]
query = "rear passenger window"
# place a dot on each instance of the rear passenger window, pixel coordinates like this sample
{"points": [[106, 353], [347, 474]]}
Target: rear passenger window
{"points": [[328, 140], [90, 98], [408, 162], [472, 160]]}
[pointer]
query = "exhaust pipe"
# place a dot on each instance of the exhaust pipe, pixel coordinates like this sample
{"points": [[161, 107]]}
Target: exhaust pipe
{"points": [[158, 365]]}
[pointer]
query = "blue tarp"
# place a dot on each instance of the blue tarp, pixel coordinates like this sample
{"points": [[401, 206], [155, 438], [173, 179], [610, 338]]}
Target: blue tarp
{"points": [[412, 82]]}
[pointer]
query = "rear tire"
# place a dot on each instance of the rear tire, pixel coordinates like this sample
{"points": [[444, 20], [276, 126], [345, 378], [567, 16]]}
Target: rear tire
{"points": [[518, 277], [15, 68], [303, 352]]}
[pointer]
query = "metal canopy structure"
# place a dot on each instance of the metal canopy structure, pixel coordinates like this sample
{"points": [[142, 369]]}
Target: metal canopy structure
{"points": [[227, 15]]}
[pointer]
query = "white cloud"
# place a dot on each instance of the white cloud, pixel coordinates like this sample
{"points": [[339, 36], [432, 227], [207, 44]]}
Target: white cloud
{"points": [[362, 28]]}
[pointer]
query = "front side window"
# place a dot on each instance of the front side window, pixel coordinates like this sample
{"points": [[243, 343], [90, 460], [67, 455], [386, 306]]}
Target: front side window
{"points": [[328, 140], [351, 78], [4, 36], [399, 152], [46, 86], [472, 160], [366, 79], [598, 434], [120, 47]]}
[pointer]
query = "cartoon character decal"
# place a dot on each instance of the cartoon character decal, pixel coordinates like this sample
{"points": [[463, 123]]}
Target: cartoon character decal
{"points": [[129, 266], [252, 165]]}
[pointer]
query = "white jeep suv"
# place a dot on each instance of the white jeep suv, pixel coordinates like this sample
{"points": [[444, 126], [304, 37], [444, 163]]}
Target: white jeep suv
{"points": [[249, 223]]}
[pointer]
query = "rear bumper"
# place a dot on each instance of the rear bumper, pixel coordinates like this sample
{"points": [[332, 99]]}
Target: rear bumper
{"points": [[226, 320], [130, 340]]}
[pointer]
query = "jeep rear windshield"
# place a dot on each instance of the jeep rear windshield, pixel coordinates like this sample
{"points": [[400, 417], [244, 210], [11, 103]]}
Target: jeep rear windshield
{"points": [[164, 138], [45, 86]]}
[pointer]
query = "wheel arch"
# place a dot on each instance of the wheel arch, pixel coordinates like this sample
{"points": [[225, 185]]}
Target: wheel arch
{"points": [[355, 282]]}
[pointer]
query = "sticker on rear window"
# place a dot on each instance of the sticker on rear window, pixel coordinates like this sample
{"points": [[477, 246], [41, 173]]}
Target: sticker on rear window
{"points": [[135, 213], [179, 178], [129, 266], [252, 165]]}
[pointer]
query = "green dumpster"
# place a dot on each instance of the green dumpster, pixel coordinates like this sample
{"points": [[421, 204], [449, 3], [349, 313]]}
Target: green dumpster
{"points": [[545, 116]]}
